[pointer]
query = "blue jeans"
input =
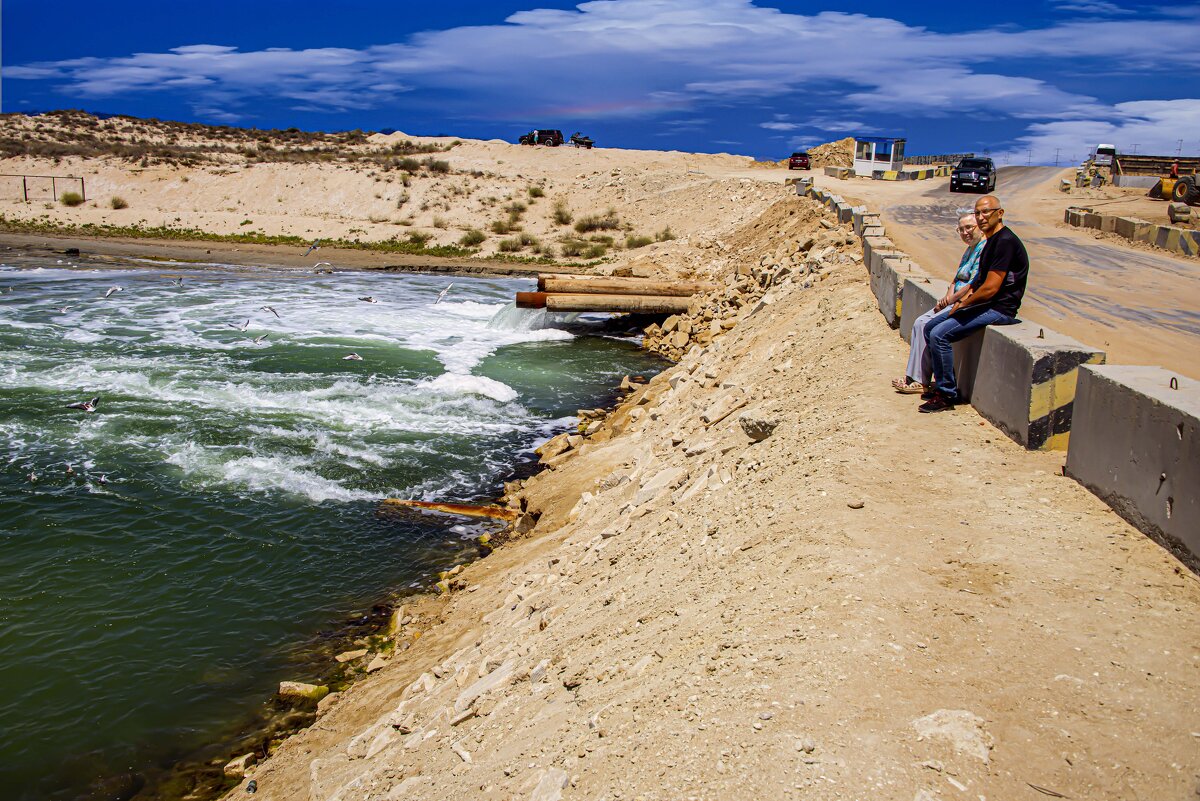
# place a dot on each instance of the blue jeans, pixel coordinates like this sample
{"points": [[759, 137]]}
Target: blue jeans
{"points": [[944, 330]]}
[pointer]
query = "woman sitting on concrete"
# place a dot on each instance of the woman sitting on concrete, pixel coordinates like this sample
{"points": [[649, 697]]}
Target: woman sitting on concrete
{"points": [[918, 376]]}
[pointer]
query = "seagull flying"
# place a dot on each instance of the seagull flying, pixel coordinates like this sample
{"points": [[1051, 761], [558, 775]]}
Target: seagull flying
{"points": [[352, 357], [179, 281], [442, 294], [87, 405], [65, 309], [317, 267], [368, 299], [113, 290], [241, 327], [314, 246], [257, 340], [270, 309]]}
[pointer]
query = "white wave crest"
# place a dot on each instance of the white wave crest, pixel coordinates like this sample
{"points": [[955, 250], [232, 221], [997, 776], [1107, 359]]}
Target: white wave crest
{"points": [[462, 384]]}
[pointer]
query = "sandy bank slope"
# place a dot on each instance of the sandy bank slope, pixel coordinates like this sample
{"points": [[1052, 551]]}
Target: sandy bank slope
{"points": [[718, 620]]}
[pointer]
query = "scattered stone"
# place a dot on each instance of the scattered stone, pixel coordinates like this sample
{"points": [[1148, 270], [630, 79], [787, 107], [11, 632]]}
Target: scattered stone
{"points": [[827, 224], [327, 703], [806, 745], [757, 428], [963, 729], [856, 504], [236, 768], [550, 786], [1179, 212], [463, 753], [349, 656], [377, 663], [298, 691]]}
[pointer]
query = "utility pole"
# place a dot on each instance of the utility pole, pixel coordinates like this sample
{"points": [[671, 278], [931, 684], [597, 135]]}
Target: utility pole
{"points": [[1179, 150], [1056, 152], [1029, 157], [1135, 147]]}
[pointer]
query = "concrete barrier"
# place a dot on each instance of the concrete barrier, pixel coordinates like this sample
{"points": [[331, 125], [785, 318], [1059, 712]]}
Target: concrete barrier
{"points": [[888, 272], [1178, 240], [887, 175], [873, 230], [863, 218], [1025, 383], [1130, 227], [1091, 220], [837, 172], [918, 295], [1147, 468], [845, 212], [1108, 223]]}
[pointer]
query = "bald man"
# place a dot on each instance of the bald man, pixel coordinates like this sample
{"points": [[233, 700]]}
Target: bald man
{"points": [[994, 299]]}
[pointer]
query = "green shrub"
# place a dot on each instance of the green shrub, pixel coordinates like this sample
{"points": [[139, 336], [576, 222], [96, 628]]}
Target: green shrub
{"points": [[509, 246], [516, 208], [664, 235], [518, 243], [437, 166], [573, 247], [472, 238], [536, 191], [602, 239], [419, 238], [246, 222], [595, 251], [119, 203], [502, 227], [409, 165], [562, 215], [71, 199], [608, 222], [632, 242], [439, 222]]}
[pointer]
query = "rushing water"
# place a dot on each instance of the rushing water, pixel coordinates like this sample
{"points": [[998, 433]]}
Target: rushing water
{"points": [[165, 560]]}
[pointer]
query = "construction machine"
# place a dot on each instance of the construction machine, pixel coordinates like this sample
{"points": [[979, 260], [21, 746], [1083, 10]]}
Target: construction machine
{"points": [[1179, 188]]}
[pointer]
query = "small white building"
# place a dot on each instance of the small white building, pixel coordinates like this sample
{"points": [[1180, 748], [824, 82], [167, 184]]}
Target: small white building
{"points": [[873, 153]]}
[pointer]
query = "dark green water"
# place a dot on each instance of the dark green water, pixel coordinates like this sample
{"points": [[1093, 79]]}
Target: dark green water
{"points": [[218, 512]]}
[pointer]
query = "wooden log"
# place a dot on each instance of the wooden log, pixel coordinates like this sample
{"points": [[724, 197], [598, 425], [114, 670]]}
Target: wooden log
{"points": [[464, 509], [621, 286], [641, 304]]}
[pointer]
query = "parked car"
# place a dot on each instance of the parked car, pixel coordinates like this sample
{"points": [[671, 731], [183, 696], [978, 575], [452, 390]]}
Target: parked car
{"points": [[551, 137], [798, 161], [973, 174]]}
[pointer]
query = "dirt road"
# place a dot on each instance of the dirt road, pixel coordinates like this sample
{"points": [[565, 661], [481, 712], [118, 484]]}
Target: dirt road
{"points": [[1139, 305]]}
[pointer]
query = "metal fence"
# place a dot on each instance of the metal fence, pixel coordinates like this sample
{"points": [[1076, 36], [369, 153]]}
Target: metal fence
{"points": [[945, 158], [37, 183]]}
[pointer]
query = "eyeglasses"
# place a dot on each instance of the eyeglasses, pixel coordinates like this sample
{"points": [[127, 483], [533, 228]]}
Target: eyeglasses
{"points": [[986, 212], [968, 229]]}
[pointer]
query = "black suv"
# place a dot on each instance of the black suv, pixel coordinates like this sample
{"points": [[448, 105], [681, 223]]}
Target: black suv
{"points": [[975, 174], [551, 137]]}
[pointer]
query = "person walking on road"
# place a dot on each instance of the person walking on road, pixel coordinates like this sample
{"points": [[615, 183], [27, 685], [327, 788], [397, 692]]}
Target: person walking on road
{"points": [[994, 299]]}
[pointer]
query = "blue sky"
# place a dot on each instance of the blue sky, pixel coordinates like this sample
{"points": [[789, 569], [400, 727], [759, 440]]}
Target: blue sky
{"points": [[1021, 80]]}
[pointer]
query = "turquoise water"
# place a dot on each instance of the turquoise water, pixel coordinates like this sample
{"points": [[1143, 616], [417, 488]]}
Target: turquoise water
{"points": [[167, 559]]}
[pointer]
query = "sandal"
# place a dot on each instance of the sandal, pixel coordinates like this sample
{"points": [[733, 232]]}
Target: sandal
{"points": [[906, 387]]}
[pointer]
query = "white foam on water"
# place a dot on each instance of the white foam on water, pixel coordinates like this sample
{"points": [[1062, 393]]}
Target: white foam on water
{"points": [[460, 384]]}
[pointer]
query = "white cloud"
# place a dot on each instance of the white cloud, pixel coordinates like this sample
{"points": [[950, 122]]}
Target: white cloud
{"points": [[1155, 127], [631, 58], [1093, 7]]}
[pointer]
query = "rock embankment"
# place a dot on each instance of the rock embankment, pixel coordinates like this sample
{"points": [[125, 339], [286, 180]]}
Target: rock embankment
{"points": [[764, 573]]}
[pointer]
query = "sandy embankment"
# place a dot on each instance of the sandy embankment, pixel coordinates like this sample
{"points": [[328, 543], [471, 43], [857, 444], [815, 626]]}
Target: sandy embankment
{"points": [[868, 603]]}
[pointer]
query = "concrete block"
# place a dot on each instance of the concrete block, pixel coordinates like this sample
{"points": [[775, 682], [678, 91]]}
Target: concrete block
{"points": [[1025, 382], [1135, 442], [837, 172], [1074, 217], [1091, 220], [1133, 228], [1108, 223], [845, 212], [863, 218], [888, 274], [873, 246], [1177, 240], [918, 295], [873, 230]]}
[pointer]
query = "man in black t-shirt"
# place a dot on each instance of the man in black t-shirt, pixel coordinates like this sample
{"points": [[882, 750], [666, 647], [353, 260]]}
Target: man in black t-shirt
{"points": [[994, 299]]}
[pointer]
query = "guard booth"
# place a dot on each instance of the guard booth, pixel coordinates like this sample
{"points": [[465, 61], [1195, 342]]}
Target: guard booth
{"points": [[873, 153]]}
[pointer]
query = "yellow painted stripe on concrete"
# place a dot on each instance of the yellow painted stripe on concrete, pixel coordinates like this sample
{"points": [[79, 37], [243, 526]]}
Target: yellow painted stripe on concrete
{"points": [[898, 303], [1052, 394], [1056, 442]]}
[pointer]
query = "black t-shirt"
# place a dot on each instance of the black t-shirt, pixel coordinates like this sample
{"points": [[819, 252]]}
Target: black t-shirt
{"points": [[1004, 252]]}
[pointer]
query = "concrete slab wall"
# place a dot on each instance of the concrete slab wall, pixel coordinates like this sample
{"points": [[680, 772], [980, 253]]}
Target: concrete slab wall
{"points": [[1026, 382], [1139, 181], [837, 172], [1129, 227], [1147, 468], [864, 219]]}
